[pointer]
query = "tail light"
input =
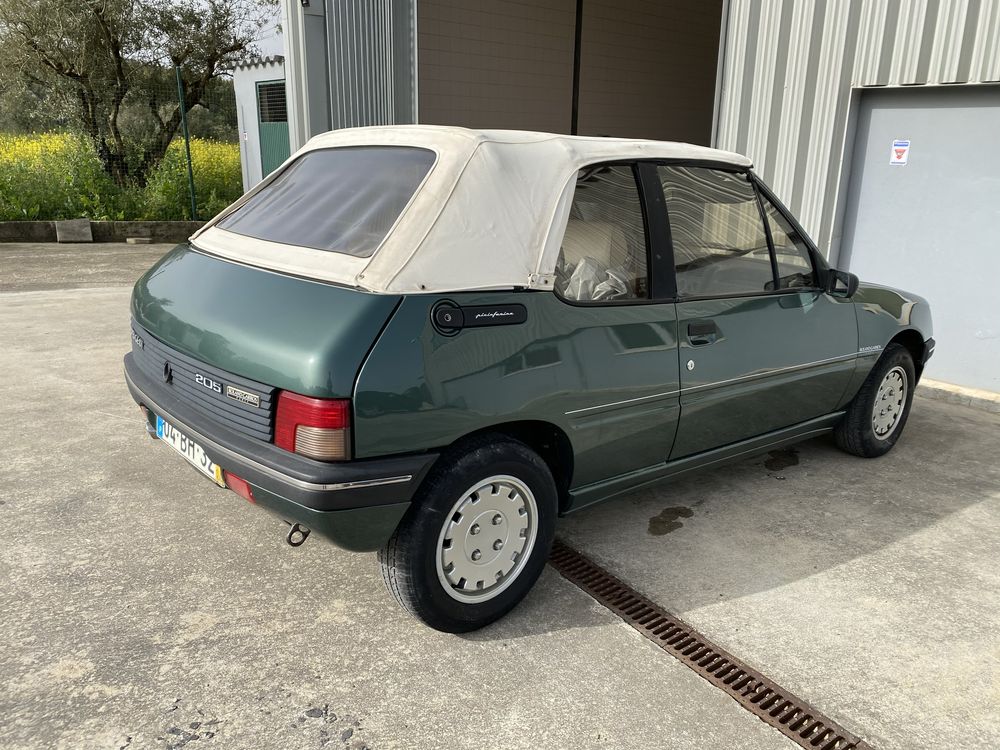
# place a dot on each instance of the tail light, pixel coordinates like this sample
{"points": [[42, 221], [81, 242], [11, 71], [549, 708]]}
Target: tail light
{"points": [[314, 427]]}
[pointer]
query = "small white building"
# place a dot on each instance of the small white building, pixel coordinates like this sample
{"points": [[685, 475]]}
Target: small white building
{"points": [[262, 116]]}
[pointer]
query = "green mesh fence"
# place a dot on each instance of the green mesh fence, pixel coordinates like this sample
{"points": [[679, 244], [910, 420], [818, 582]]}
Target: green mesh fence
{"points": [[51, 167]]}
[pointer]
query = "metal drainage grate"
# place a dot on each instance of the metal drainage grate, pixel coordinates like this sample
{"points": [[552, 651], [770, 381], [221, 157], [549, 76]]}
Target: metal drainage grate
{"points": [[792, 716]]}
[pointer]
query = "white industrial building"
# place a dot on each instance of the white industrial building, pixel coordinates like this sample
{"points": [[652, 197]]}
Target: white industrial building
{"points": [[820, 94], [261, 116]]}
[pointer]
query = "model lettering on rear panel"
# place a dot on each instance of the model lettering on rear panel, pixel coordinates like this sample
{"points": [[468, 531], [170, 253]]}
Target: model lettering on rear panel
{"points": [[206, 382]]}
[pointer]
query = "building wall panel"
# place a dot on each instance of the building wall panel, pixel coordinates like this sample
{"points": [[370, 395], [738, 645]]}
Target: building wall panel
{"points": [[791, 68], [647, 68], [496, 64], [370, 45]]}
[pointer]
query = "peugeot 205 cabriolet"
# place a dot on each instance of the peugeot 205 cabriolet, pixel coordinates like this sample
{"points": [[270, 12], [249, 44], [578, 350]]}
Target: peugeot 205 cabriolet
{"points": [[431, 342]]}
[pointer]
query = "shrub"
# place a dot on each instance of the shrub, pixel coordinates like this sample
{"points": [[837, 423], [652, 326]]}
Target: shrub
{"points": [[58, 176], [218, 180], [53, 176]]}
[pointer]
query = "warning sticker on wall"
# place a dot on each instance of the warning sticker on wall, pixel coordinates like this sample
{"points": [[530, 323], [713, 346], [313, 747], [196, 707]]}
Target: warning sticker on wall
{"points": [[900, 153]]}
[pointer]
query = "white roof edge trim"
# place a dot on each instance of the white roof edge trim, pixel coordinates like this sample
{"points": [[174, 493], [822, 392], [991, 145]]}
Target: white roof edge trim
{"points": [[275, 256], [404, 255], [544, 275], [490, 213]]}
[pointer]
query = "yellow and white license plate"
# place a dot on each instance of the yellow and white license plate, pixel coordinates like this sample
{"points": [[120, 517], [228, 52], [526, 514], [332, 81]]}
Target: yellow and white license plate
{"points": [[188, 448]]}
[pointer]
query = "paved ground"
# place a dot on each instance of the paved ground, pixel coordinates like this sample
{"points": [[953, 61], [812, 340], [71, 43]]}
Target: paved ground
{"points": [[142, 607], [26, 266]]}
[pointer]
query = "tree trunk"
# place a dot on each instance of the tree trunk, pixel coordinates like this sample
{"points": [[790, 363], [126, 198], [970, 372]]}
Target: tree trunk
{"points": [[154, 152]]}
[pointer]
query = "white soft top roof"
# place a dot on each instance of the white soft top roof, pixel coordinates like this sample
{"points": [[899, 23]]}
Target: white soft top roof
{"points": [[490, 214]]}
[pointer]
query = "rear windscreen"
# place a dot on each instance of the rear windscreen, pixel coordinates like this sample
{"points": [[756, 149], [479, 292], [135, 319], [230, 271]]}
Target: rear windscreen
{"points": [[343, 200]]}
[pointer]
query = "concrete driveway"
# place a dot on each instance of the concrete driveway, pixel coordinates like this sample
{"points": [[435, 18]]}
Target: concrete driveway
{"points": [[140, 606]]}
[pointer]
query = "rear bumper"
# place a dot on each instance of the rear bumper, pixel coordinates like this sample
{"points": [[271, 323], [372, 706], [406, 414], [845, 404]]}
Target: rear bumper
{"points": [[356, 504]]}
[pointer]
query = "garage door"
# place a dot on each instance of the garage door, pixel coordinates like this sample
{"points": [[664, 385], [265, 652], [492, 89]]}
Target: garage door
{"points": [[925, 216]]}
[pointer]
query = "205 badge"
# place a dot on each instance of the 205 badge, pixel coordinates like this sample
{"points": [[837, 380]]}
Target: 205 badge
{"points": [[207, 382]]}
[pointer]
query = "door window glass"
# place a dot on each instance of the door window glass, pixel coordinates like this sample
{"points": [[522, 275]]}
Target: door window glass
{"points": [[795, 267], [720, 247], [603, 254]]}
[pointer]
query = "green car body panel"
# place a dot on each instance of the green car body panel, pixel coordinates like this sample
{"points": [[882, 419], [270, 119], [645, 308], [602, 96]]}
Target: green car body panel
{"points": [[614, 379], [290, 333], [778, 359], [604, 376], [622, 394]]}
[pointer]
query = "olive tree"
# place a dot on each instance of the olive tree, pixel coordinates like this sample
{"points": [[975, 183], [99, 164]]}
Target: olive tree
{"points": [[90, 61]]}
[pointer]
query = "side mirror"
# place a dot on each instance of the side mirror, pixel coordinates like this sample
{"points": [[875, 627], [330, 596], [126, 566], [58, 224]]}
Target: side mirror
{"points": [[841, 283]]}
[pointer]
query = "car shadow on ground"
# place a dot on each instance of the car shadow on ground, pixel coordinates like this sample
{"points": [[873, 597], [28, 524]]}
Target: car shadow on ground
{"points": [[780, 517]]}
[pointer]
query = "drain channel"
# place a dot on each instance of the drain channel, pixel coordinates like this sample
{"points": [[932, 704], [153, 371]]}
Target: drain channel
{"points": [[792, 716]]}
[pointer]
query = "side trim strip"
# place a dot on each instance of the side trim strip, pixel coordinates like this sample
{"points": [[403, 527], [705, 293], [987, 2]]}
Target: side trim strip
{"points": [[769, 373], [619, 403], [706, 386], [274, 473]]}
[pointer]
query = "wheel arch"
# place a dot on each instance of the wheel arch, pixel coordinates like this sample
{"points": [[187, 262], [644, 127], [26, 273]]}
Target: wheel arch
{"points": [[913, 341], [546, 439]]}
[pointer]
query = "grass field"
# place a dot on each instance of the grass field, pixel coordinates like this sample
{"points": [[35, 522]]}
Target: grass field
{"points": [[58, 176]]}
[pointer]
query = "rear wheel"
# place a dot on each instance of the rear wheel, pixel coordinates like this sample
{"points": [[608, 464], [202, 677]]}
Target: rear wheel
{"points": [[476, 538], [877, 415]]}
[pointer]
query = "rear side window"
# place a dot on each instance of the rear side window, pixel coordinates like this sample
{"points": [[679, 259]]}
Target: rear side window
{"points": [[603, 254], [343, 200], [720, 246]]}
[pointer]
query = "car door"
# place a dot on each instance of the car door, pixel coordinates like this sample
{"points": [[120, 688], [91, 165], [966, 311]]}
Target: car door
{"points": [[761, 346], [618, 321]]}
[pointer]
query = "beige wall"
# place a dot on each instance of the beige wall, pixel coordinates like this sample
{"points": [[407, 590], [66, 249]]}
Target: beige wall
{"points": [[647, 68], [496, 63]]}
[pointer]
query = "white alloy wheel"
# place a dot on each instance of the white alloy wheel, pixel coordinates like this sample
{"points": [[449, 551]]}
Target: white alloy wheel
{"points": [[486, 539], [889, 402]]}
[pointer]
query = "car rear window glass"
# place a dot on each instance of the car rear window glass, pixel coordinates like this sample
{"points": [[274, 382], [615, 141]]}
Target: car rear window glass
{"points": [[720, 247], [343, 200]]}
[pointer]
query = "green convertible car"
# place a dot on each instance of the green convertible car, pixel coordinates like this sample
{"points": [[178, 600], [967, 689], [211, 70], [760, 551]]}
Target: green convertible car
{"points": [[431, 342]]}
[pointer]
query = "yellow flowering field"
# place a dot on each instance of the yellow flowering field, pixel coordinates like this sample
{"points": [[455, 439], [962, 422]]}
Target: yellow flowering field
{"points": [[218, 180], [58, 176]]}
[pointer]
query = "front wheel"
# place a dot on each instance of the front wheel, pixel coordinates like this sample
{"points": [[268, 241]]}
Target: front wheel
{"points": [[875, 418], [476, 538]]}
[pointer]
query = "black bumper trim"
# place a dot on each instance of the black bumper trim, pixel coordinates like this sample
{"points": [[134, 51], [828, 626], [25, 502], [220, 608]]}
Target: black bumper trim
{"points": [[314, 484], [928, 350]]}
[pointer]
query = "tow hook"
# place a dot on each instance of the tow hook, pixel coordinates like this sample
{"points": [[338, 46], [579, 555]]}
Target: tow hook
{"points": [[297, 535]]}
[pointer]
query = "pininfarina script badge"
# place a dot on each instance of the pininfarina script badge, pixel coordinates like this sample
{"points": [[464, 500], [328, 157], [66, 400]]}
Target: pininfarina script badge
{"points": [[494, 315]]}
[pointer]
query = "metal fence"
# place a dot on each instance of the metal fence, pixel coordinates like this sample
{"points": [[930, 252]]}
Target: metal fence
{"points": [[161, 160]]}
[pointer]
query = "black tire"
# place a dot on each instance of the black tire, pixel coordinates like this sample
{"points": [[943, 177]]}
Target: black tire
{"points": [[856, 433], [409, 561]]}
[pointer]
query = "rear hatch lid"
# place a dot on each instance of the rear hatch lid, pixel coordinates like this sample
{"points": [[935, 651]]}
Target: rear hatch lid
{"points": [[287, 332]]}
